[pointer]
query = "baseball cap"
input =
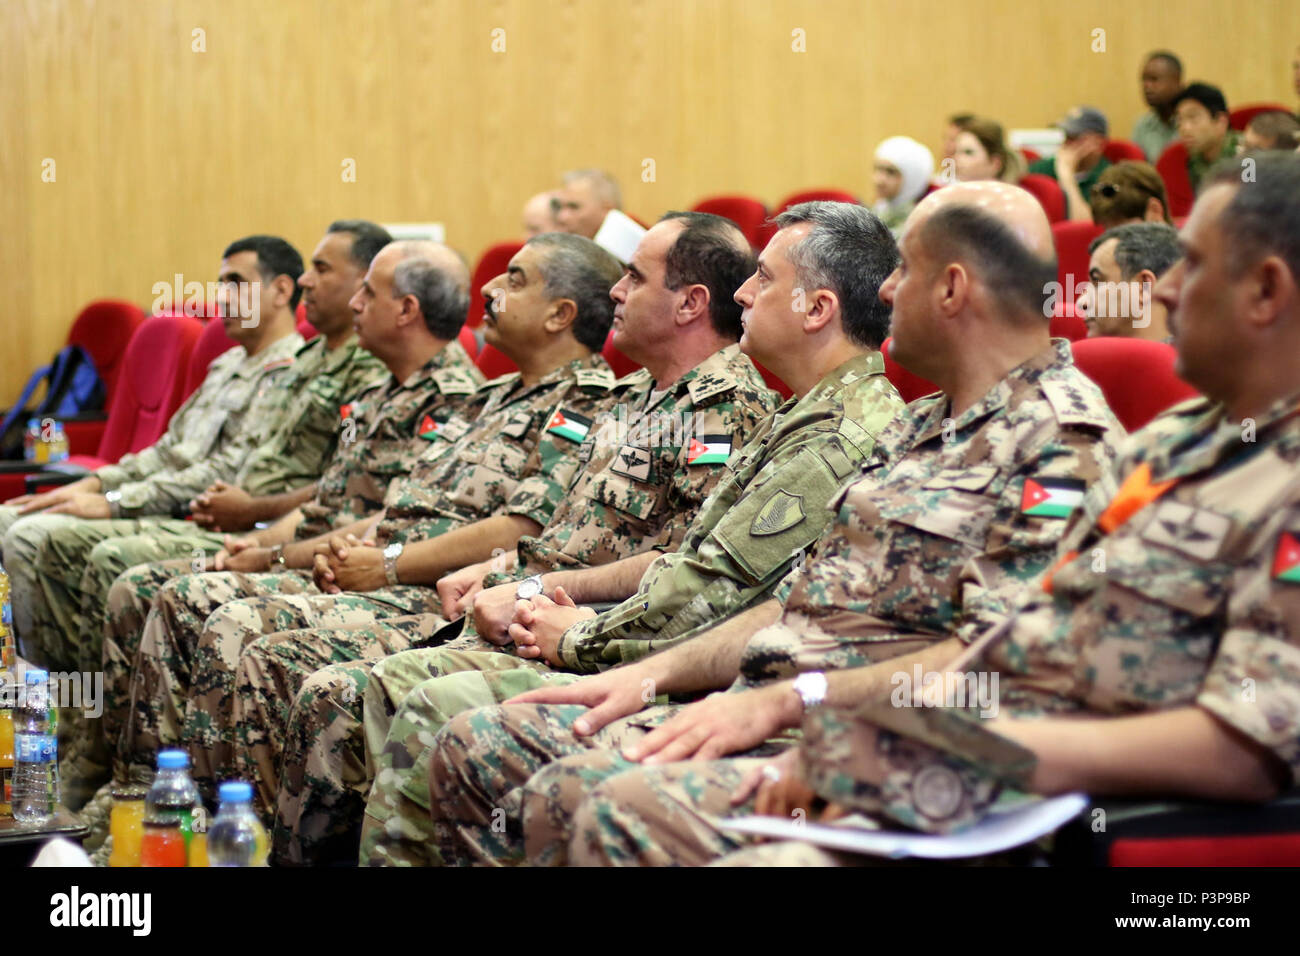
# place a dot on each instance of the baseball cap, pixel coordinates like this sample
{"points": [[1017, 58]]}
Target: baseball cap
{"points": [[1083, 119]]}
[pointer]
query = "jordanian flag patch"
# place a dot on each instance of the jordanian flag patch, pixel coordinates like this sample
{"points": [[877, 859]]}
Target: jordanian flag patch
{"points": [[1286, 559], [709, 450], [569, 424], [345, 411], [428, 428], [1051, 497]]}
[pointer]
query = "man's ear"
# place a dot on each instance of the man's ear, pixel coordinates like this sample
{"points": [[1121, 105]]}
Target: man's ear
{"points": [[1272, 292], [1155, 211], [823, 307], [410, 311], [561, 315], [694, 304], [284, 287], [954, 289]]}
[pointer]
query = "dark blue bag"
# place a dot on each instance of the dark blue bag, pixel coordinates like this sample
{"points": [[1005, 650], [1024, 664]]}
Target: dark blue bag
{"points": [[73, 388]]}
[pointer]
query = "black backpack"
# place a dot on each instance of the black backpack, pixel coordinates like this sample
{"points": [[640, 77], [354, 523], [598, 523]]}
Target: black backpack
{"points": [[73, 387]]}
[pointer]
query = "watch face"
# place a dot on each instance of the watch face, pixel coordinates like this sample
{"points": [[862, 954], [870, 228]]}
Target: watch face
{"points": [[392, 551], [528, 588]]}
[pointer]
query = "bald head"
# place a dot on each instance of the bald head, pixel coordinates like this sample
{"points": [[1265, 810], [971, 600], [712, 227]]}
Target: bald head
{"points": [[998, 232], [436, 275], [537, 215]]}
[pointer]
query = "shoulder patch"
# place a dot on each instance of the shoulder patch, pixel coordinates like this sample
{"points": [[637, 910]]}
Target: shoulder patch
{"points": [[1073, 406], [781, 512], [710, 385], [454, 381], [602, 378], [499, 380]]}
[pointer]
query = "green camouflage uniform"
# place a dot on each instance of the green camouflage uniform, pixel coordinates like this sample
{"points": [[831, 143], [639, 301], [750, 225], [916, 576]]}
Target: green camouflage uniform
{"points": [[773, 504], [206, 440], [648, 471], [934, 540], [1194, 600], [184, 669], [384, 432]]}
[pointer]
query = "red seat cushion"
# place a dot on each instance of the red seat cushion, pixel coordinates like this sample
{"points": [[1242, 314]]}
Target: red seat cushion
{"points": [[1048, 193], [745, 211], [1172, 167], [1136, 376]]}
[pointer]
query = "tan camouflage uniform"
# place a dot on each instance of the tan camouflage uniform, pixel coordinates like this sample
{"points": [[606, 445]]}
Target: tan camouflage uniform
{"points": [[184, 670], [644, 482], [934, 540], [773, 505]]}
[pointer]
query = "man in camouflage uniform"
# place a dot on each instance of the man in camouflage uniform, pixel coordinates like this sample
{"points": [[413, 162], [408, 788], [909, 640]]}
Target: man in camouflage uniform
{"points": [[1166, 638], [929, 542], [383, 432], [480, 486], [649, 468], [208, 433], [773, 504], [277, 461]]}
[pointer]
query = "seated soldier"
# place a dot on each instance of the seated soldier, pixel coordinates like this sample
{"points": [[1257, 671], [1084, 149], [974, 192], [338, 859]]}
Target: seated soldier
{"points": [[1124, 266], [1201, 113]]}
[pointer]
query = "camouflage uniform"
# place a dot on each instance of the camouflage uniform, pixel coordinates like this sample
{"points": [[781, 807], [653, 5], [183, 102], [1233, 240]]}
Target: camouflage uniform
{"points": [[1183, 591], [390, 424], [935, 539], [184, 670], [644, 482], [773, 505]]}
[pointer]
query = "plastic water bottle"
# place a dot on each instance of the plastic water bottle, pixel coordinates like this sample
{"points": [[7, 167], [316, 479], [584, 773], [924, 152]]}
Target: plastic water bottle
{"points": [[57, 444], [36, 753], [237, 837], [173, 795]]}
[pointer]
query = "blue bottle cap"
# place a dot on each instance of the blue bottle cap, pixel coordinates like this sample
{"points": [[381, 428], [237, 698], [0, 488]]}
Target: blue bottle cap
{"points": [[35, 676], [173, 760], [236, 791]]}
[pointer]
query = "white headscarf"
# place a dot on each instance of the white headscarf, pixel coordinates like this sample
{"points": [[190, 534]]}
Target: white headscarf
{"points": [[913, 160]]}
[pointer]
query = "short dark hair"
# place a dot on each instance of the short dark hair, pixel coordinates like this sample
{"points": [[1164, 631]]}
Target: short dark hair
{"points": [[1142, 245], [1211, 97], [713, 252], [367, 239], [577, 269], [442, 292], [851, 252], [1278, 126], [275, 257], [1168, 57], [960, 120], [1263, 216], [1005, 264]]}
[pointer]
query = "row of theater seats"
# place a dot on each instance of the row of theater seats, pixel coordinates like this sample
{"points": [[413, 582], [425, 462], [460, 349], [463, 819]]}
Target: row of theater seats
{"points": [[167, 356]]}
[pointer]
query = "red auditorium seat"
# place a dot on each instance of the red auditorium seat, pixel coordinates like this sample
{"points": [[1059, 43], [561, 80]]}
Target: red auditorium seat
{"points": [[305, 328], [620, 363], [815, 195], [1030, 155], [745, 211], [1048, 194], [1118, 150], [1066, 324], [468, 341], [1071, 240], [774, 383], [1239, 118], [490, 264], [494, 363], [910, 386], [1172, 167], [103, 329], [1136, 376]]}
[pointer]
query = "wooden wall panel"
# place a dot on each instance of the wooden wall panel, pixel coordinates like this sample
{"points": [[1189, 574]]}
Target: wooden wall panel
{"points": [[164, 154]]}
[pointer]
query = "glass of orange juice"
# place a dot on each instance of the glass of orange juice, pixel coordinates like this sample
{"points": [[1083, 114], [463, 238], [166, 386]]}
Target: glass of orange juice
{"points": [[126, 825]]}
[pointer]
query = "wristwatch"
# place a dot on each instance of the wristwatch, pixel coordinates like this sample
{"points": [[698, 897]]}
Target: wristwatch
{"points": [[277, 558], [391, 553], [811, 688], [114, 499], [529, 588]]}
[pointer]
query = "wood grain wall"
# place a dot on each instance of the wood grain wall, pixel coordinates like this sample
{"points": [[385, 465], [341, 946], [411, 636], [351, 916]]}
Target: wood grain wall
{"points": [[163, 154]]}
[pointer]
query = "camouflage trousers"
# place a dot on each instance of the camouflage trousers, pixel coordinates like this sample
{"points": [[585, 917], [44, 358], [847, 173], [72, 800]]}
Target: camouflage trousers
{"points": [[409, 699], [67, 567], [185, 670], [482, 759]]}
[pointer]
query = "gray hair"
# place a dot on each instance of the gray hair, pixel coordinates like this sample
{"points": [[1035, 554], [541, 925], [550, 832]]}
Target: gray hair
{"points": [[575, 268], [439, 279], [1263, 216], [602, 183], [1142, 245], [850, 252]]}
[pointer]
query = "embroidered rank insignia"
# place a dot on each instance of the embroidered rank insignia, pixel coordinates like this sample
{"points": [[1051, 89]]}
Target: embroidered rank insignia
{"points": [[1193, 531], [781, 513], [633, 462]]}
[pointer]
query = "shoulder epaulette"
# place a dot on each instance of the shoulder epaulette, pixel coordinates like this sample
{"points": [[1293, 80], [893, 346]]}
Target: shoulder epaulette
{"points": [[711, 384], [602, 378], [1070, 406], [499, 380], [454, 381]]}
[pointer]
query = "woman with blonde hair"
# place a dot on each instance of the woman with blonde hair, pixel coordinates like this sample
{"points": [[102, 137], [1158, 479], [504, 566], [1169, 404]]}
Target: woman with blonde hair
{"points": [[982, 153]]}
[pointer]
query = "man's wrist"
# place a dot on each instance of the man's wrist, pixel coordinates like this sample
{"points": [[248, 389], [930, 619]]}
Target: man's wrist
{"points": [[114, 499]]}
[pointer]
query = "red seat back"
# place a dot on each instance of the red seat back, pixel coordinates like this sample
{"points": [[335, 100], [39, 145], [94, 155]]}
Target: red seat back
{"points": [[806, 195], [104, 329], [909, 385], [468, 341], [745, 211], [152, 383], [212, 343], [620, 363], [490, 264], [1172, 167], [1071, 240], [1240, 118], [493, 362], [305, 328], [1118, 150], [1030, 155], [1066, 324], [1048, 193], [1136, 376]]}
